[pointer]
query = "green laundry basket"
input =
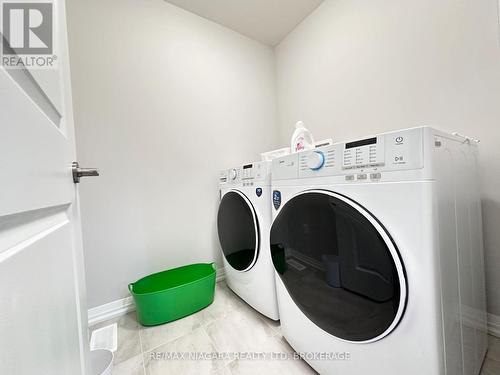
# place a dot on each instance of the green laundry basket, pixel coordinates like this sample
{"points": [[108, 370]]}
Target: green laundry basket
{"points": [[170, 295]]}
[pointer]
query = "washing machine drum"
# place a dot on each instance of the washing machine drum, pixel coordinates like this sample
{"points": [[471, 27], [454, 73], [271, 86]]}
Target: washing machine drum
{"points": [[339, 265], [238, 230]]}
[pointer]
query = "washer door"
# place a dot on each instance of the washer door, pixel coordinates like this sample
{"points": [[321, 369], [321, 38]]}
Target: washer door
{"points": [[238, 230], [339, 265]]}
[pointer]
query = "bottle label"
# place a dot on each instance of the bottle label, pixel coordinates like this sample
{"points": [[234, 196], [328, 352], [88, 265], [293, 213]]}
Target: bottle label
{"points": [[299, 144]]}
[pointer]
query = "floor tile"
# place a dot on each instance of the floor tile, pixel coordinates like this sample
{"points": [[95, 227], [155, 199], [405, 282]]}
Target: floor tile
{"points": [[223, 371], [271, 327], [157, 361], [152, 337], [131, 366], [241, 304], [275, 325], [129, 344], [491, 367], [296, 366], [240, 331], [277, 358], [224, 302], [494, 347]]}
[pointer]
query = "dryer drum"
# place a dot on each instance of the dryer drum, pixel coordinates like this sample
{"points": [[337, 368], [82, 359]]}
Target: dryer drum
{"points": [[238, 230], [353, 284]]}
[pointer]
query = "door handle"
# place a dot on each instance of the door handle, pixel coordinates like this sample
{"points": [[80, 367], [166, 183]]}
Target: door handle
{"points": [[82, 172]]}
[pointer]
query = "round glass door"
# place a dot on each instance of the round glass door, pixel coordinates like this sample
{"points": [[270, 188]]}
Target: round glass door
{"points": [[238, 231], [339, 265]]}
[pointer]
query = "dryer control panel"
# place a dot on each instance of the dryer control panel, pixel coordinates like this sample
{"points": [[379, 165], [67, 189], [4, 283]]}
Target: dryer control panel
{"points": [[401, 150], [246, 174]]}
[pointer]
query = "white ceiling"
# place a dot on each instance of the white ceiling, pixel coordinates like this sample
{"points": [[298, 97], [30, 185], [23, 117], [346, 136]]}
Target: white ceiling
{"points": [[267, 21]]}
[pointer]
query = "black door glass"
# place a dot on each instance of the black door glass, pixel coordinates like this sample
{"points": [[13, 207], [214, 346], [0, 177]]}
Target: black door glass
{"points": [[237, 231], [336, 266]]}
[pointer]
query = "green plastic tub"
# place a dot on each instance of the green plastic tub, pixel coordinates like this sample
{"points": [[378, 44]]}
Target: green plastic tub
{"points": [[170, 295]]}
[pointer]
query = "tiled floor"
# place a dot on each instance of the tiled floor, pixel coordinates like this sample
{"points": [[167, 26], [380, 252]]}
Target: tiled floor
{"points": [[492, 364], [228, 325]]}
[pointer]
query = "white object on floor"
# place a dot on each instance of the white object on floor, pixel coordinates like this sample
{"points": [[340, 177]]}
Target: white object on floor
{"points": [[243, 222], [101, 361], [105, 338], [302, 138], [377, 244]]}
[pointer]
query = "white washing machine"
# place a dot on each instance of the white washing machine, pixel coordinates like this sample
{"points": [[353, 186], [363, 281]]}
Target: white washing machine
{"points": [[377, 247], [243, 223]]}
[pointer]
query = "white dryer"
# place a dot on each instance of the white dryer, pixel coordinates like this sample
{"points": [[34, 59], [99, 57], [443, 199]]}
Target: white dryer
{"points": [[377, 247], [243, 222]]}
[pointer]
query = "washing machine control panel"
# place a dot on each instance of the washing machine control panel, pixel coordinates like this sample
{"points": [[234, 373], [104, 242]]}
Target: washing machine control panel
{"points": [[369, 152], [364, 158]]}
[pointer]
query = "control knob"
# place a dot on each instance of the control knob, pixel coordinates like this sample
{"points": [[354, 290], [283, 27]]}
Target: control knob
{"points": [[315, 160], [233, 174]]}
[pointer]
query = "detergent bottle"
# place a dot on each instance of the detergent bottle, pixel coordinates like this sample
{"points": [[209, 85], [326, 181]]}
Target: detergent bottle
{"points": [[302, 138]]}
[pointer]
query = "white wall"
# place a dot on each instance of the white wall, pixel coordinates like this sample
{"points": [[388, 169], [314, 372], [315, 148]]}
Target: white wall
{"points": [[163, 100], [357, 67]]}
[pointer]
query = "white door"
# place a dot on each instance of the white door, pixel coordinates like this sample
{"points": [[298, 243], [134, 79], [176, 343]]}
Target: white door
{"points": [[43, 327]]}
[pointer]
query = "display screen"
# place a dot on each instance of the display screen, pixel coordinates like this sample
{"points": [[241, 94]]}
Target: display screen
{"points": [[248, 166], [364, 142]]}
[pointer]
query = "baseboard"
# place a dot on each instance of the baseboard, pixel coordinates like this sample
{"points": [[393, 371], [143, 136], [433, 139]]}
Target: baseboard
{"points": [[494, 325], [110, 310], [123, 306]]}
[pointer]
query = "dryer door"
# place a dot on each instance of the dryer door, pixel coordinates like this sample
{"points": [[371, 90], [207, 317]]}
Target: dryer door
{"points": [[238, 230], [339, 265]]}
